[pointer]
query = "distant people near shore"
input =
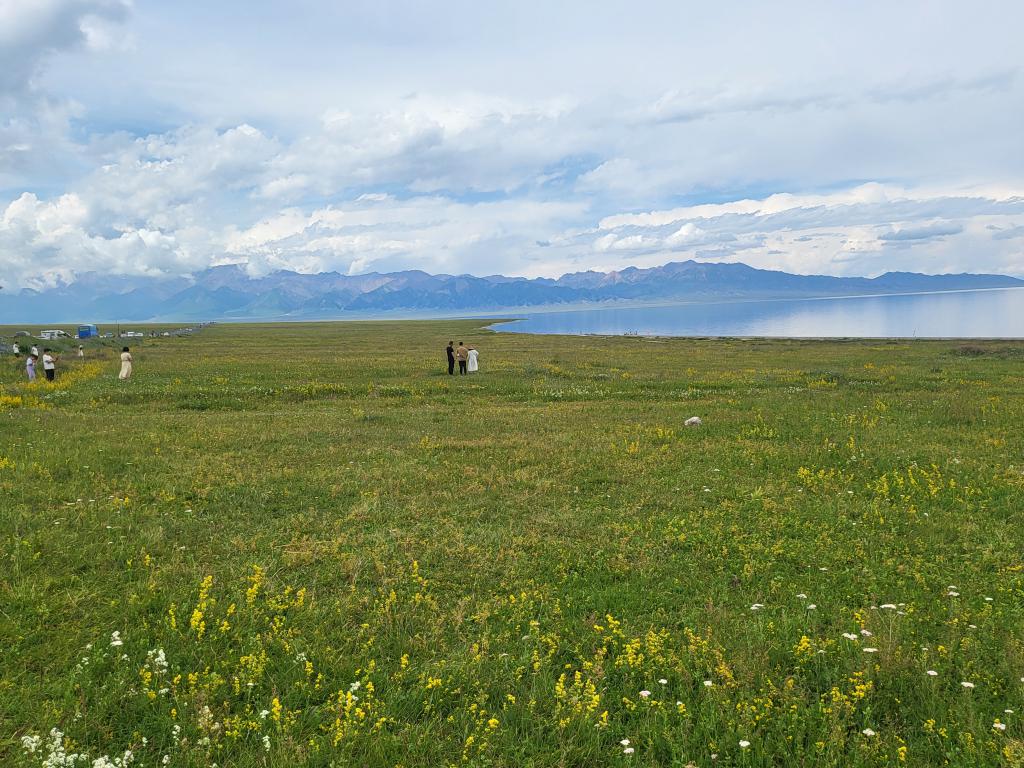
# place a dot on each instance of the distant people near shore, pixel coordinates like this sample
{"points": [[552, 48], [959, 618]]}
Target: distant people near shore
{"points": [[126, 365], [450, 351], [49, 364], [30, 367], [471, 363], [462, 355]]}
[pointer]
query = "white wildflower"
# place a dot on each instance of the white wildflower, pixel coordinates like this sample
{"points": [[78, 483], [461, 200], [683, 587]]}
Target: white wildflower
{"points": [[967, 684], [932, 673], [644, 694], [744, 743], [868, 732]]}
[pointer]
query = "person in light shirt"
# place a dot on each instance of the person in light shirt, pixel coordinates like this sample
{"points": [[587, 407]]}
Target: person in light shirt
{"points": [[49, 364], [30, 367]]}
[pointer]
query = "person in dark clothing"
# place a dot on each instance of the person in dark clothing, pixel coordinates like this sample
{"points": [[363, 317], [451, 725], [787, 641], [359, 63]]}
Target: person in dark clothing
{"points": [[450, 349]]}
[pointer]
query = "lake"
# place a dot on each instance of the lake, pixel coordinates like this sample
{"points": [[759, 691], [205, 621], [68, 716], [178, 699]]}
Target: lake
{"points": [[959, 314]]}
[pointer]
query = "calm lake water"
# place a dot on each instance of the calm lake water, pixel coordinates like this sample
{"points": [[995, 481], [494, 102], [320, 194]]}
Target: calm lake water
{"points": [[962, 314]]}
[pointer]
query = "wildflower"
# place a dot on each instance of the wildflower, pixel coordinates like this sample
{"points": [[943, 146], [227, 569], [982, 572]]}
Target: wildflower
{"points": [[757, 606], [870, 650], [493, 723], [868, 732], [850, 636], [889, 606], [628, 751], [932, 673], [663, 681], [744, 743], [802, 596], [115, 639], [997, 726], [811, 607], [967, 684], [30, 743], [266, 743], [644, 694], [1008, 711], [708, 683], [624, 742], [866, 632], [951, 593]]}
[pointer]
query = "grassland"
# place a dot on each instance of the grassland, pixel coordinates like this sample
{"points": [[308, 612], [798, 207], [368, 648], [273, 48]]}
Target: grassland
{"points": [[307, 545]]}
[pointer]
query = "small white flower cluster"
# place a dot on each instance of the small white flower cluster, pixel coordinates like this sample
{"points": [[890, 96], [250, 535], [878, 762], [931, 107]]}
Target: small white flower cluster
{"points": [[115, 639], [626, 749], [157, 661], [58, 757]]}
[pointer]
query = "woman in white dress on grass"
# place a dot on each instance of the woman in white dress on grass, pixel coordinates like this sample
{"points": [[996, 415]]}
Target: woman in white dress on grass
{"points": [[472, 365], [126, 365]]}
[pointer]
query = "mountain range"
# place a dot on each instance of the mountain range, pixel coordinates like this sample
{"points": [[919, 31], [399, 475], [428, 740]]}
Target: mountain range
{"points": [[230, 293]]}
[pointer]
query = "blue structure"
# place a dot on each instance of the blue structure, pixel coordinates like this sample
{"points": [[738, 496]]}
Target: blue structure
{"points": [[87, 331]]}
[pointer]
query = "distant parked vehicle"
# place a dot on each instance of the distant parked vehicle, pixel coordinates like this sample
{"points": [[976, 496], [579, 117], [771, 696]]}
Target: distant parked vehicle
{"points": [[23, 333], [88, 331], [132, 334], [54, 334]]}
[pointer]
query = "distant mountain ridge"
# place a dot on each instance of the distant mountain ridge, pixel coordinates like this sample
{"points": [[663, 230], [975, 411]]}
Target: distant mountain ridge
{"points": [[230, 293]]}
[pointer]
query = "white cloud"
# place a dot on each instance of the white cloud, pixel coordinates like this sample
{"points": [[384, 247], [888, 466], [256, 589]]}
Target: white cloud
{"points": [[488, 140]]}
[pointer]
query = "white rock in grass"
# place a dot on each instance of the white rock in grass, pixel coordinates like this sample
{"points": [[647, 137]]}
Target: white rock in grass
{"points": [[693, 421]]}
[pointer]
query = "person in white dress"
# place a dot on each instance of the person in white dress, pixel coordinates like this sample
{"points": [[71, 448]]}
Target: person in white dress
{"points": [[126, 365], [472, 366]]}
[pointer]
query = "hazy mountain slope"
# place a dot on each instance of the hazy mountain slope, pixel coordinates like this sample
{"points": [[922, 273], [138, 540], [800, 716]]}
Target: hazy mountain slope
{"points": [[229, 292]]}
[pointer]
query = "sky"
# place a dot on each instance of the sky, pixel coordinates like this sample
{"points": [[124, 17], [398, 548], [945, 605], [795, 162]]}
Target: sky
{"points": [[522, 138]]}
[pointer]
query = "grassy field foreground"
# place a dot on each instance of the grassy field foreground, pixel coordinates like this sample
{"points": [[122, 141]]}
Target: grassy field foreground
{"points": [[307, 545]]}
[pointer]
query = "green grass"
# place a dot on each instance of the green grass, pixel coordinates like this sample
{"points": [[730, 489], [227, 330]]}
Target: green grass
{"points": [[417, 570]]}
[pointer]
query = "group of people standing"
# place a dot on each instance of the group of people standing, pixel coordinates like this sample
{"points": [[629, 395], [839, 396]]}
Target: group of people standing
{"points": [[49, 360], [49, 363], [465, 356]]}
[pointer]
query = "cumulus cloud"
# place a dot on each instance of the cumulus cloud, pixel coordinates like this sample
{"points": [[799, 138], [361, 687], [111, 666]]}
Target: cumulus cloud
{"points": [[464, 152], [922, 232], [32, 31]]}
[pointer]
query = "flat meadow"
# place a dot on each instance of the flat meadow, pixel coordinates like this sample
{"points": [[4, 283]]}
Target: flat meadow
{"points": [[307, 545]]}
